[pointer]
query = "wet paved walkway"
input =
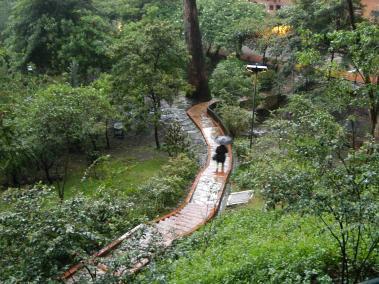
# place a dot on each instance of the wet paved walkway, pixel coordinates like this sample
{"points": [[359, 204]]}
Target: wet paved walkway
{"points": [[200, 206], [207, 190]]}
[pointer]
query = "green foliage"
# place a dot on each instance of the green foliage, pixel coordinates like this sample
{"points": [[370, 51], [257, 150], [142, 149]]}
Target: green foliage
{"points": [[339, 96], [176, 141], [304, 165], [359, 50], [230, 82], [360, 46], [308, 42], [235, 118], [266, 80], [241, 146], [39, 241], [151, 54], [249, 246], [61, 118], [55, 236], [228, 24], [52, 34], [30, 105], [15, 92], [91, 171], [135, 10], [319, 16], [5, 10], [170, 185], [121, 9], [86, 43], [151, 60], [124, 171]]}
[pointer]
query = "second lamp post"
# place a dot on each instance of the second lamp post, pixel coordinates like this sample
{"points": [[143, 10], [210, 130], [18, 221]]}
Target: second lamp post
{"points": [[255, 69]]}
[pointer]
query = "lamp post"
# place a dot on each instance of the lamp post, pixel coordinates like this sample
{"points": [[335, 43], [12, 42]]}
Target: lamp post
{"points": [[29, 70], [254, 69]]}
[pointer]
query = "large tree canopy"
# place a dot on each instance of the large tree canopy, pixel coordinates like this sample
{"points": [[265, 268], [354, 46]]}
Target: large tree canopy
{"points": [[60, 119], [151, 62], [228, 24], [51, 34], [320, 16]]}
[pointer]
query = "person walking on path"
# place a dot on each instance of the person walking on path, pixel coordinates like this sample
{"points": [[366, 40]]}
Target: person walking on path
{"points": [[220, 156]]}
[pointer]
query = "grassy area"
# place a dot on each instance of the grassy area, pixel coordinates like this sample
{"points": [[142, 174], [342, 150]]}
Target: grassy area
{"points": [[80, 226], [123, 171], [256, 202], [250, 246], [126, 169]]}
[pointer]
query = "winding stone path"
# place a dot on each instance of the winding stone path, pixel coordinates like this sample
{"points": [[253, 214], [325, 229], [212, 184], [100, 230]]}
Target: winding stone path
{"points": [[208, 188], [178, 112], [138, 245]]}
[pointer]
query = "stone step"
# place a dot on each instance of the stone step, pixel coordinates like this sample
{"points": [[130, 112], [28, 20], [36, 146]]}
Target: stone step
{"points": [[169, 233], [197, 208], [186, 221], [175, 222], [177, 227], [193, 215], [211, 204], [200, 214], [165, 228]]}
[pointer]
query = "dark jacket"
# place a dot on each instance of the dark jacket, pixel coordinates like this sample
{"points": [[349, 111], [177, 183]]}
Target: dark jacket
{"points": [[221, 154]]}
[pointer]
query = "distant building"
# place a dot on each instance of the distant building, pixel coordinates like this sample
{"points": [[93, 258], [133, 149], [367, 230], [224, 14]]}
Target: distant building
{"points": [[273, 5], [371, 7]]}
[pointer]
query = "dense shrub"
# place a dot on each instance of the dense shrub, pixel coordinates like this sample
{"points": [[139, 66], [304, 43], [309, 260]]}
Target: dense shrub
{"points": [[40, 238], [304, 165], [266, 81], [235, 119], [230, 82], [175, 140], [241, 146], [164, 190], [250, 246]]}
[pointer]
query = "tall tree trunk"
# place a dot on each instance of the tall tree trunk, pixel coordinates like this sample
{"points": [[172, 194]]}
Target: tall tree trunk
{"points": [[264, 59], [107, 134], [157, 117], [351, 13], [47, 173], [373, 110], [374, 119], [156, 136], [93, 142], [353, 132], [239, 44], [197, 72], [61, 182], [331, 67], [15, 181], [214, 58]]}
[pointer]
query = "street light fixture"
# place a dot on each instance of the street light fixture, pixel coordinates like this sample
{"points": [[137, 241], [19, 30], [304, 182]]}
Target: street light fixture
{"points": [[254, 69]]}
